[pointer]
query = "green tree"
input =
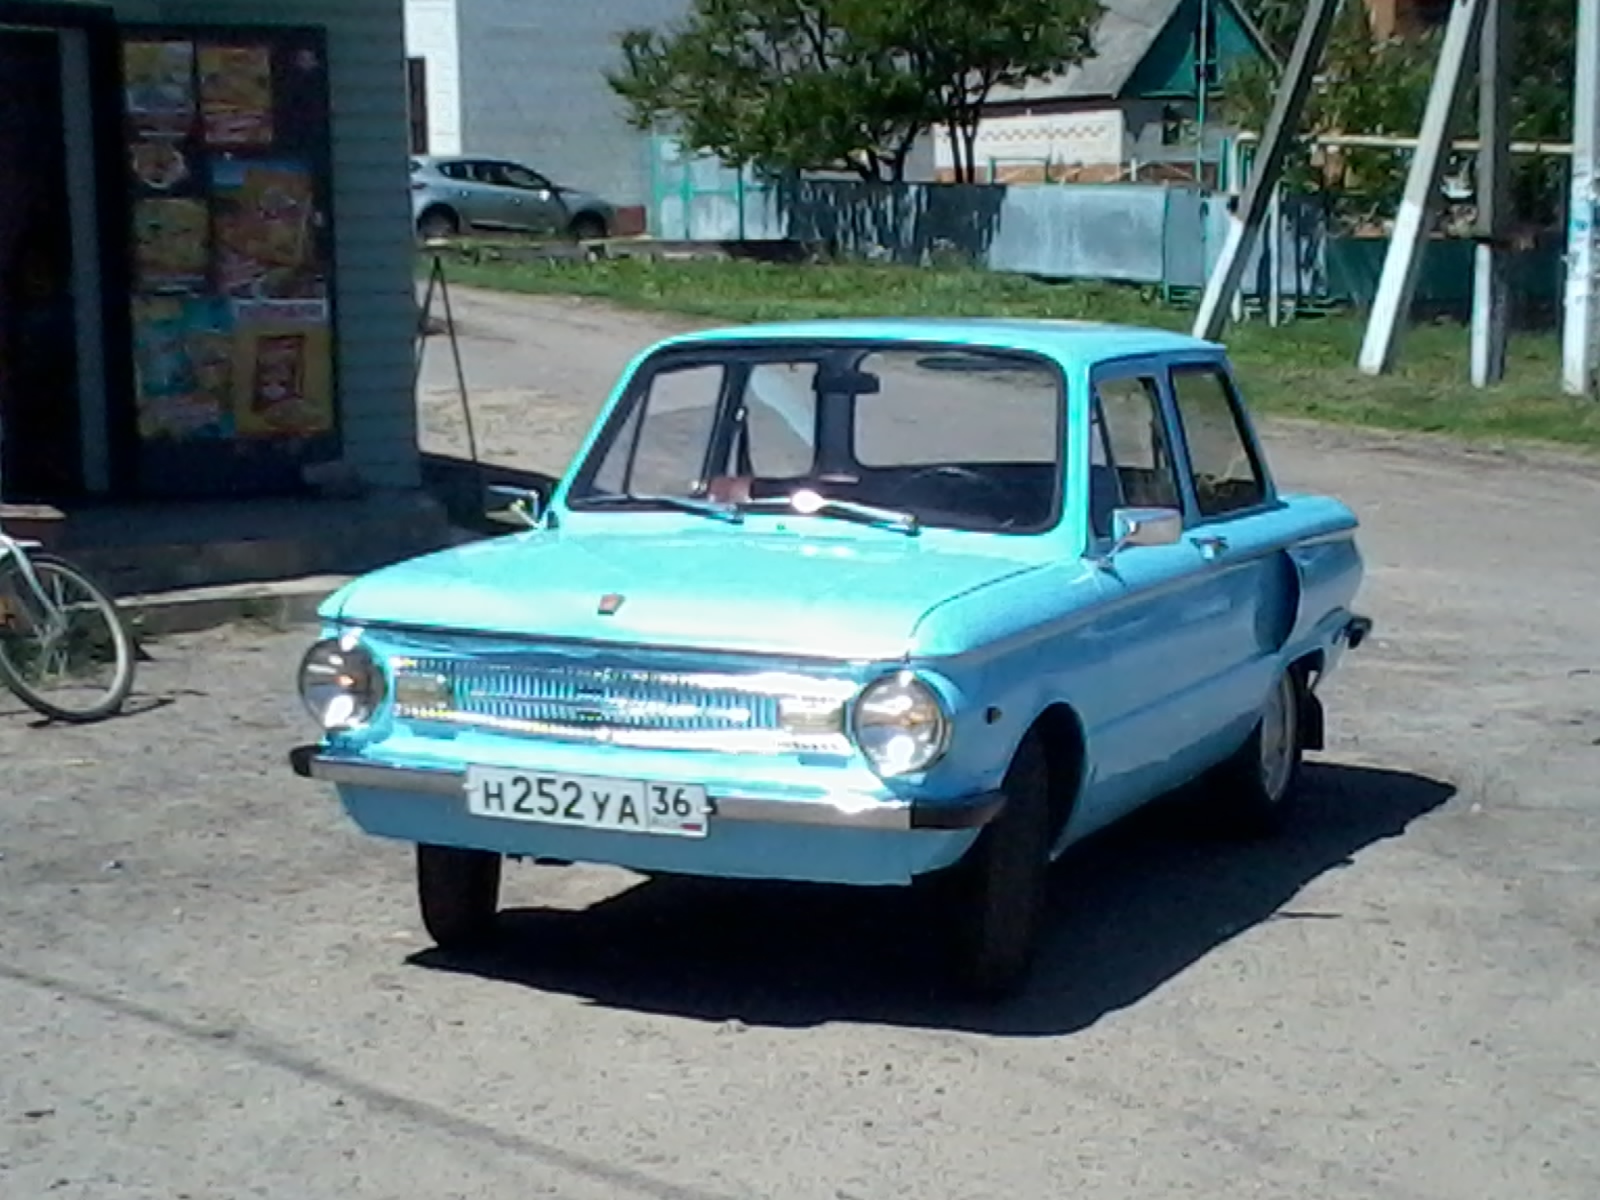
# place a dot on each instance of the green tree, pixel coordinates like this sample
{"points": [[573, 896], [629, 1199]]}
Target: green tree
{"points": [[804, 85], [1368, 86]]}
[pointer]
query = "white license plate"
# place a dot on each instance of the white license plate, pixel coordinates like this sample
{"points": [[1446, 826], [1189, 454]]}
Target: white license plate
{"points": [[588, 802]]}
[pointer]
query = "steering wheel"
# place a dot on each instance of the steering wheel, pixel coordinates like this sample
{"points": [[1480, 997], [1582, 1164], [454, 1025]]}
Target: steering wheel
{"points": [[965, 474]]}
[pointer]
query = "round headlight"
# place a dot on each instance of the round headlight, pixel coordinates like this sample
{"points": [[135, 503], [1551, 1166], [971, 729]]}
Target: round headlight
{"points": [[341, 683], [900, 725]]}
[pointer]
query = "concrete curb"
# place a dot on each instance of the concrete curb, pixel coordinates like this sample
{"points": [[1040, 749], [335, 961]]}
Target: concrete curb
{"points": [[281, 603]]}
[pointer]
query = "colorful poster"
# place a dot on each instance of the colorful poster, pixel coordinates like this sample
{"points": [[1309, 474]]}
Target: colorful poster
{"points": [[283, 380], [236, 95], [159, 165], [183, 354], [266, 231], [171, 244], [158, 83]]}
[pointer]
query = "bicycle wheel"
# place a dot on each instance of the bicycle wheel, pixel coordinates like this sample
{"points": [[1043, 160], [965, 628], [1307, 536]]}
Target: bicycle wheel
{"points": [[71, 661]]}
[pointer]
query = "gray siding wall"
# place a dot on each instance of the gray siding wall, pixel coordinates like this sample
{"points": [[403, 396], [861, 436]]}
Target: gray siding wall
{"points": [[533, 88], [372, 213]]}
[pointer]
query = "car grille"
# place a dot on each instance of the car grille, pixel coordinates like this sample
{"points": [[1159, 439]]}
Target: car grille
{"points": [[751, 712]]}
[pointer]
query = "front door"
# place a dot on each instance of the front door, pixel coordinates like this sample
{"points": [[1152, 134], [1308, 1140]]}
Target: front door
{"points": [[1146, 708], [525, 199]]}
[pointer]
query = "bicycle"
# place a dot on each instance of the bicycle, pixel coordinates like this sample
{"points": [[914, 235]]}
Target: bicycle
{"points": [[48, 635]]}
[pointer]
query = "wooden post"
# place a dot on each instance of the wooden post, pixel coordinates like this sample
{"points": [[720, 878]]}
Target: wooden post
{"points": [[1491, 294]]}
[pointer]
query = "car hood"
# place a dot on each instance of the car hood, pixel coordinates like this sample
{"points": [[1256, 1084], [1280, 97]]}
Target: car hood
{"points": [[742, 591]]}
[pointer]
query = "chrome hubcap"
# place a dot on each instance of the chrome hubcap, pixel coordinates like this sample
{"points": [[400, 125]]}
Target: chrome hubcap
{"points": [[1279, 733]]}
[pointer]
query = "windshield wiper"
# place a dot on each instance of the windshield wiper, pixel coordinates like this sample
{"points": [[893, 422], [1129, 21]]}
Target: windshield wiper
{"points": [[811, 504], [688, 504]]}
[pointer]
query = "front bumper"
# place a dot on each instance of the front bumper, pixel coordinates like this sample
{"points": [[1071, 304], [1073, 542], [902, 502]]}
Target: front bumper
{"points": [[843, 811]]}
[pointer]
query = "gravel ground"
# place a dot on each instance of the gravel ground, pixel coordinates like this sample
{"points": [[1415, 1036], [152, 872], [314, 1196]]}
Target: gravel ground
{"points": [[217, 989]]}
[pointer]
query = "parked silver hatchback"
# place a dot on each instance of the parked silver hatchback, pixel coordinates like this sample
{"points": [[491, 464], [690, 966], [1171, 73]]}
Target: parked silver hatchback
{"points": [[461, 194]]}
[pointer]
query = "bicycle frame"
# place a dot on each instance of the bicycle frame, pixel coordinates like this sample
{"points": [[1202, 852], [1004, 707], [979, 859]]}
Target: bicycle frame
{"points": [[16, 548]]}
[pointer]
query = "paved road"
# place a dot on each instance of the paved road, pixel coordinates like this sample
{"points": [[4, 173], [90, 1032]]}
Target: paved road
{"points": [[213, 988]]}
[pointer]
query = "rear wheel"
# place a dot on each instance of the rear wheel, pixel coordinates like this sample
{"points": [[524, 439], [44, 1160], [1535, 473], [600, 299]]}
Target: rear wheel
{"points": [[998, 891], [1255, 789], [459, 894]]}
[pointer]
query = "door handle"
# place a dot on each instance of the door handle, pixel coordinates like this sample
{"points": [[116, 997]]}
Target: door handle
{"points": [[1211, 547]]}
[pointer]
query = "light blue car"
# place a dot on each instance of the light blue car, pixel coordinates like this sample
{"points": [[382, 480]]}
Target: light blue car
{"points": [[859, 602]]}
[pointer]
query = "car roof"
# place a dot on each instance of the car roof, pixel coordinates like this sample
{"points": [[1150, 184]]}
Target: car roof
{"points": [[1079, 341]]}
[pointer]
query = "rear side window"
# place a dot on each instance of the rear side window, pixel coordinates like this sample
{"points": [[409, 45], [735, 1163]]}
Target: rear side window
{"points": [[1227, 477]]}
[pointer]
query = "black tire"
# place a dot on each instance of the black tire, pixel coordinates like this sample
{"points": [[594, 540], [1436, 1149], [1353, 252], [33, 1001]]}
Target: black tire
{"points": [[1252, 793], [588, 227], [998, 890], [438, 223], [47, 567], [458, 892]]}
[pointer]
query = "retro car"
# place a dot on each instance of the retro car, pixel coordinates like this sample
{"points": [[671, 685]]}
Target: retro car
{"points": [[854, 602]]}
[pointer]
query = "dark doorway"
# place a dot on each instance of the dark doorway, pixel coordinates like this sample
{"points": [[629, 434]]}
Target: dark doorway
{"points": [[417, 94], [40, 448]]}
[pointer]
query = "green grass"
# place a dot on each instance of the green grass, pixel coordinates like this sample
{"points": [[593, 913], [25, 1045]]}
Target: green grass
{"points": [[1304, 369]]}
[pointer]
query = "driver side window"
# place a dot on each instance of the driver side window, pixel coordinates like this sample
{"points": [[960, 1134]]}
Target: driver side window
{"points": [[665, 435], [521, 178], [1131, 464]]}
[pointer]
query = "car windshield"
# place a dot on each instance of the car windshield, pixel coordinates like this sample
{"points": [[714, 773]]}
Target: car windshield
{"points": [[891, 435]]}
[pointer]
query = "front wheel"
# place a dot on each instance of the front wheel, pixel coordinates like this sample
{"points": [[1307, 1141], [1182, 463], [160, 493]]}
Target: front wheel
{"points": [[65, 650], [1254, 790], [459, 894], [997, 892]]}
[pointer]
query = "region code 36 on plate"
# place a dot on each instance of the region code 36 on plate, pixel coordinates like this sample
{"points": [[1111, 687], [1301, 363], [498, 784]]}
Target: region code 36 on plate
{"points": [[587, 801]]}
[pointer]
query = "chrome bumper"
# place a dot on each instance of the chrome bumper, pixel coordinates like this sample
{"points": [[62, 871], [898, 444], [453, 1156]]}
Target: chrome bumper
{"points": [[973, 812]]}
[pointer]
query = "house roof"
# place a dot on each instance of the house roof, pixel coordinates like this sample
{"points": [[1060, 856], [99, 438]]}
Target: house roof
{"points": [[1123, 37]]}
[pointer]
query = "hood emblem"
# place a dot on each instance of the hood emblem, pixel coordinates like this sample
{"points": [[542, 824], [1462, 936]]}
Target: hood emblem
{"points": [[609, 603]]}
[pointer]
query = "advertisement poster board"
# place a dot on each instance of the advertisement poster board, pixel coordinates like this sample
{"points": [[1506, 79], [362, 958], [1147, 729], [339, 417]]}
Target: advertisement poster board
{"points": [[234, 346]]}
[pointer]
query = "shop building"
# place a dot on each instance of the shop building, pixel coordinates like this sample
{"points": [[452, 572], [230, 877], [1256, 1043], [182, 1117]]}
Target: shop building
{"points": [[206, 265]]}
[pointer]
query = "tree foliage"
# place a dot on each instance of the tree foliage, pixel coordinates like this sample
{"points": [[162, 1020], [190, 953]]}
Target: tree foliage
{"points": [[1371, 86], [841, 85]]}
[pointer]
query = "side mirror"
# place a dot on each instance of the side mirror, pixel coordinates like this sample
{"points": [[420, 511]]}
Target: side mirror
{"points": [[1131, 527], [1145, 527], [515, 506]]}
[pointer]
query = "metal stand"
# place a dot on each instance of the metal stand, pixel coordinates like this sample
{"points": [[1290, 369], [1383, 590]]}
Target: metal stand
{"points": [[438, 284], [1223, 283], [1398, 283]]}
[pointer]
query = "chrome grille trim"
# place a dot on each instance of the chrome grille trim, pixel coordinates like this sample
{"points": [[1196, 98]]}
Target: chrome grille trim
{"points": [[754, 713]]}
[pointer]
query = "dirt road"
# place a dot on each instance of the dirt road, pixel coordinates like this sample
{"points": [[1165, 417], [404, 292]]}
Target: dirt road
{"points": [[215, 989]]}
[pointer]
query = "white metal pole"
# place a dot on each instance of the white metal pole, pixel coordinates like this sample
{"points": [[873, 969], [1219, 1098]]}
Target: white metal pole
{"points": [[1398, 283], [1578, 334], [1282, 125]]}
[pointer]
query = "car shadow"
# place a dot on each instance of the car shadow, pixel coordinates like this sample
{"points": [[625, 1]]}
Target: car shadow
{"points": [[1130, 909]]}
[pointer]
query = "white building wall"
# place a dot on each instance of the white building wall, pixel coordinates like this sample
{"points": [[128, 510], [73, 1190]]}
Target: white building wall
{"points": [[533, 88], [1096, 137], [433, 33]]}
